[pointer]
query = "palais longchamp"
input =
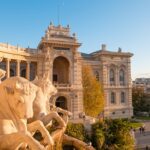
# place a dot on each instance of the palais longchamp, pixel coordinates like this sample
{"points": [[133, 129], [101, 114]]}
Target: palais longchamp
{"points": [[57, 53]]}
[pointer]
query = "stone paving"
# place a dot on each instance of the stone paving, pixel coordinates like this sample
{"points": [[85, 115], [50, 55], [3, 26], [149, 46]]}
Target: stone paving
{"points": [[143, 139]]}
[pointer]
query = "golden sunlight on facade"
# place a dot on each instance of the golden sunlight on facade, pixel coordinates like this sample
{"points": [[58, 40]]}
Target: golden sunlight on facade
{"points": [[58, 54]]}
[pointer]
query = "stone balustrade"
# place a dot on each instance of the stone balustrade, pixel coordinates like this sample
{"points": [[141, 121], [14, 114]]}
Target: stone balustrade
{"points": [[62, 85], [6, 46]]}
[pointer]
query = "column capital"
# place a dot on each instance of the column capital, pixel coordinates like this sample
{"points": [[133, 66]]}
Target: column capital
{"points": [[18, 60], [8, 59], [28, 62]]}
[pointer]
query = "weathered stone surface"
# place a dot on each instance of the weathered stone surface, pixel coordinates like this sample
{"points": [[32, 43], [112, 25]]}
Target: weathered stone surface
{"points": [[16, 105], [20, 100], [58, 53]]}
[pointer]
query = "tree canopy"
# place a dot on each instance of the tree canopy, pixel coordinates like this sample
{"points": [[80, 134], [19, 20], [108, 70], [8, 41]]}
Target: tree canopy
{"points": [[140, 100], [113, 135], [93, 97]]}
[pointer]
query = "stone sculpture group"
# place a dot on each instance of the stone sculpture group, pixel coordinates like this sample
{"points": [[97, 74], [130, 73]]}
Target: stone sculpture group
{"points": [[24, 111]]}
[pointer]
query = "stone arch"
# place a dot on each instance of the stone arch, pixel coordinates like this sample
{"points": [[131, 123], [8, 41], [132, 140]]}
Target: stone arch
{"points": [[66, 96], [61, 70], [61, 102], [123, 66]]}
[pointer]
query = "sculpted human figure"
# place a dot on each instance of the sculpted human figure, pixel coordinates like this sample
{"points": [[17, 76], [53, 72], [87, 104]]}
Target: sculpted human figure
{"points": [[16, 105]]}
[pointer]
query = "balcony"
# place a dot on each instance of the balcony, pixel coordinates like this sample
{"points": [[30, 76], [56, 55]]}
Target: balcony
{"points": [[62, 86]]}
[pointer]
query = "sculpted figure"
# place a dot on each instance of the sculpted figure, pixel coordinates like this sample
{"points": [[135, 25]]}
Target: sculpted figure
{"points": [[46, 112], [41, 106], [16, 105]]}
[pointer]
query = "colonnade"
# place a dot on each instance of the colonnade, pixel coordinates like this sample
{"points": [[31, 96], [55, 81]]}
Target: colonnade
{"points": [[18, 67]]}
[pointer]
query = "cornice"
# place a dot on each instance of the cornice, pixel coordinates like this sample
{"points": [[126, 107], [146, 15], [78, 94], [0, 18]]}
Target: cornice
{"points": [[58, 43], [109, 53]]}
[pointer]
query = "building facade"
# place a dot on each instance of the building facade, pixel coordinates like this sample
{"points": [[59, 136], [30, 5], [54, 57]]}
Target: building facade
{"points": [[143, 84], [57, 53]]}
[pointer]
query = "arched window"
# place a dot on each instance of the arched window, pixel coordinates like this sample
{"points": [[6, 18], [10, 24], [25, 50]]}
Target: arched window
{"points": [[97, 75], [122, 97], [122, 77], [61, 70], [61, 102], [112, 77], [113, 98]]}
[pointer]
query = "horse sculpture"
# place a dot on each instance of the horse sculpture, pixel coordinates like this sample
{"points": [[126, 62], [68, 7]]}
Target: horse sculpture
{"points": [[16, 105], [46, 112], [42, 109]]}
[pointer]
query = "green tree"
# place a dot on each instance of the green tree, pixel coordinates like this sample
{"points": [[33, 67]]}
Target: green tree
{"points": [[98, 135], [93, 97], [139, 99], [113, 135]]}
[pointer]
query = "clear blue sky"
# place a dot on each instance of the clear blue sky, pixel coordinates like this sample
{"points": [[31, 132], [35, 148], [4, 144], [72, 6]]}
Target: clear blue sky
{"points": [[117, 23]]}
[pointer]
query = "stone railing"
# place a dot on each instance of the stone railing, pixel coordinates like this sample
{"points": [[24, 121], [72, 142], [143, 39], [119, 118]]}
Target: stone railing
{"points": [[62, 85], [6, 46]]}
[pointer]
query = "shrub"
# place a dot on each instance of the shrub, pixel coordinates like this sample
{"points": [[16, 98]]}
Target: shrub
{"points": [[76, 130], [112, 134]]}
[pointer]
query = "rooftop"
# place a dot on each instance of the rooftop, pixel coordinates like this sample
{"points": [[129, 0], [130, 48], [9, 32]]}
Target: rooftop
{"points": [[59, 34], [104, 51]]}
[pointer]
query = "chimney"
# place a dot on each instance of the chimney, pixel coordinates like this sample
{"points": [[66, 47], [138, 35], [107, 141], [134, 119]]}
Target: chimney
{"points": [[103, 47]]}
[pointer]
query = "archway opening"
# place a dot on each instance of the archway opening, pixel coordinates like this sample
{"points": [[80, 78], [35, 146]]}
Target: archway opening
{"points": [[61, 102], [12, 73], [61, 70], [23, 73]]}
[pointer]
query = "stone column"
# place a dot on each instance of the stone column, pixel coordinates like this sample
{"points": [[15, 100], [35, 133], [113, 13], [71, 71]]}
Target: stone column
{"points": [[117, 76], [18, 68], [8, 67], [28, 70]]}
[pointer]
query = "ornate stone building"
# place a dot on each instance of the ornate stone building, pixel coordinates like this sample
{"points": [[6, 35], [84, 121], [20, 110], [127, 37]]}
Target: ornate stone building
{"points": [[57, 53]]}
